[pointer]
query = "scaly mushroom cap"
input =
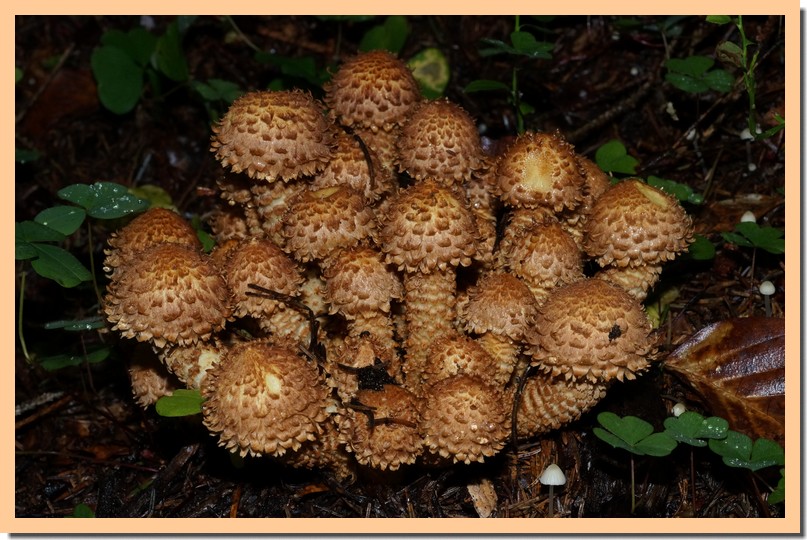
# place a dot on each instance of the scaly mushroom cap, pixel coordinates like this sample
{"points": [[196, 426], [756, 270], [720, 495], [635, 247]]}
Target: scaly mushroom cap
{"points": [[150, 379], [543, 254], [191, 363], [465, 419], [633, 223], [346, 359], [458, 354], [154, 226], [357, 167], [263, 400], [548, 403], [499, 303], [273, 135], [440, 141], [372, 90], [540, 169], [591, 329], [358, 281], [393, 437], [228, 223], [427, 227], [168, 294], [270, 202], [317, 223], [637, 280], [262, 263]]}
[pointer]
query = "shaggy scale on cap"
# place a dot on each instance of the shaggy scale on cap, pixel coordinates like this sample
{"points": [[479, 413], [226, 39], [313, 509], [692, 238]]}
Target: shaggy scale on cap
{"points": [[273, 135], [263, 400]]}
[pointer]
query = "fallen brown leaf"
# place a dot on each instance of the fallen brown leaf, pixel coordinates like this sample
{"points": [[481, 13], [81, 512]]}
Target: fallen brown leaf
{"points": [[737, 367]]}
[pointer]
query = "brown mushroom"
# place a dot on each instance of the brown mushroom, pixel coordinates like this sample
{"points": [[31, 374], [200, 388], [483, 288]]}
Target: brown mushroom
{"points": [[635, 225], [500, 310], [541, 253], [273, 135], [440, 141], [459, 354], [191, 363], [382, 427], [150, 379], [593, 330], [372, 90], [262, 399], [154, 226], [360, 286], [548, 403], [540, 170], [318, 223], [168, 293], [465, 419], [428, 232]]}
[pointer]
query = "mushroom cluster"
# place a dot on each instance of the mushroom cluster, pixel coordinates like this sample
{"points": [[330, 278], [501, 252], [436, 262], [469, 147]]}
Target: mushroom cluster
{"points": [[332, 325]]}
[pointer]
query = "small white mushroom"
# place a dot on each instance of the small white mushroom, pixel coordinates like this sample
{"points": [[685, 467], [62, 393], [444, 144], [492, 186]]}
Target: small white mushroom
{"points": [[552, 476], [767, 289], [679, 409], [748, 216]]}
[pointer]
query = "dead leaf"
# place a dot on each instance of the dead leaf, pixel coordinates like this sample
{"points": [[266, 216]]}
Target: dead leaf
{"points": [[737, 367], [723, 215], [484, 497]]}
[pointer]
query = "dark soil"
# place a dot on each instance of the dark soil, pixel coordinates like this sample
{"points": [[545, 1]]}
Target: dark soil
{"points": [[84, 441]]}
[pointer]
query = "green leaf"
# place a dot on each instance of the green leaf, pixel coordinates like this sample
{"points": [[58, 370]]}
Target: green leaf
{"points": [[701, 249], [525, 43], [168, 56], [657, 444], [138, 43], [17, 75], [60, 361], [750, 234], [104, 200], [768, 452], [181, 403], [613, 157], [615, 441], [59, 265], [217, 90], [682, 192], [208, 242], [31, 231], [65, 219], [691, 427], [390, 35], [694, 66], [21, 155], [778, 494], [687, 83], [484, 85], [496, 46], [719, 80], [630, 429], [735, 449], [718, 19], [304, 68], [431, 71], [82, 511], [730, 53], [155, 195], [80, 325], [120, 79]]}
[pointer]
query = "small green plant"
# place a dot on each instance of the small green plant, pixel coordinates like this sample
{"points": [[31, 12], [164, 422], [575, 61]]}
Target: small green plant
{"points": [[34, 241], [390, 35], [613, 157], [751, 234], [82, 511], [696, 76], [522, 43], [182, 402], [637, 436], [125, 60], [740, 56]]}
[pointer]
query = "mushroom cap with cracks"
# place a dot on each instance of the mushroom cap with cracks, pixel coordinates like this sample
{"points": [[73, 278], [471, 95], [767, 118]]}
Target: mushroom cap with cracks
{"points": [[262, 399], [273, 135], [591, 329]]}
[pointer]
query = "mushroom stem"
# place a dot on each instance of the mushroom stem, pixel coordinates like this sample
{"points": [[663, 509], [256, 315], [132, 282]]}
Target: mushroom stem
{"points": [[551, 501], [430, 309]]}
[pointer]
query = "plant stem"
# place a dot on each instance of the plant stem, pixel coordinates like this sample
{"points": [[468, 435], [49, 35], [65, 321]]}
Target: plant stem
{"points": [[514, 93], [92, 265], [19, 319], [241, 34]]}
